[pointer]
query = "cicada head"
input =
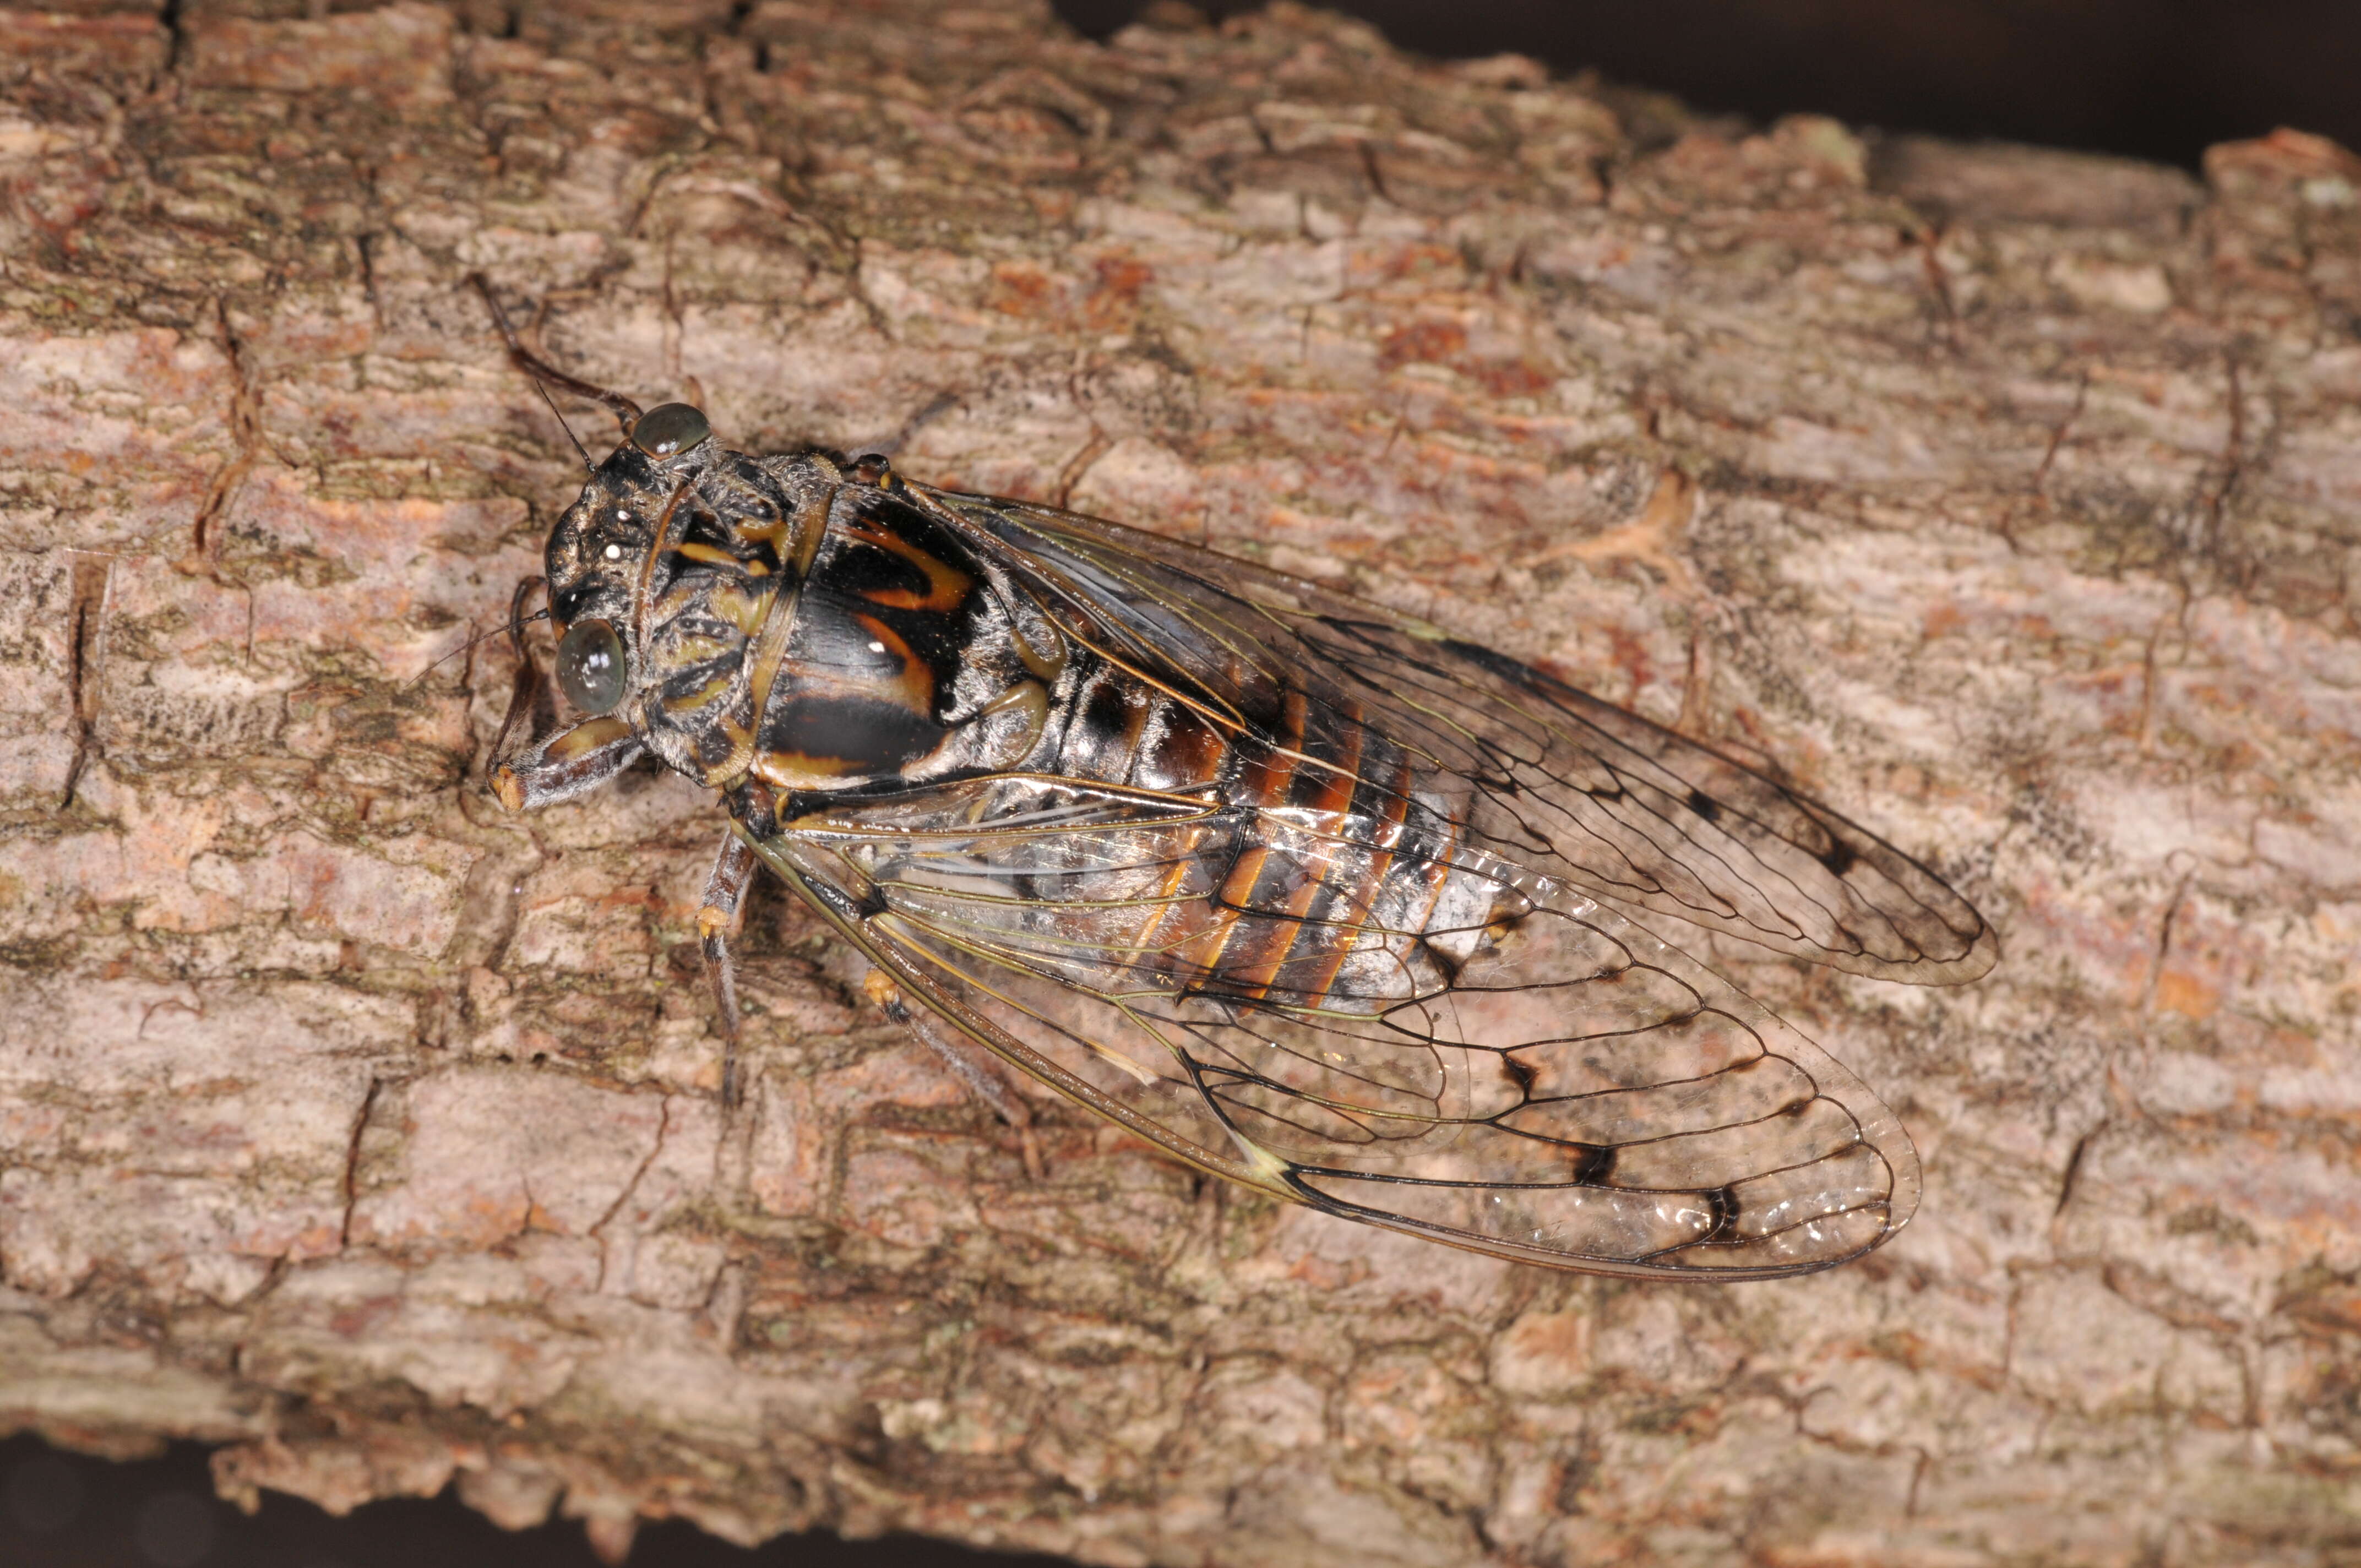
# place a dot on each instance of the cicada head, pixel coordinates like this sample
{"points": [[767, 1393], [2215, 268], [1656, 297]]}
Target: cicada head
{"points": [[662, 575], [603, 546]]}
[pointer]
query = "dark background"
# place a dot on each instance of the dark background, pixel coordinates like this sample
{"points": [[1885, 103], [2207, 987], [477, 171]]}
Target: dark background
{"points": [[2156, 78], [63, 1511]]}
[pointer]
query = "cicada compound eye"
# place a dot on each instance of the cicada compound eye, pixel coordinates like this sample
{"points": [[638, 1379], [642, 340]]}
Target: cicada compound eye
{"points": [[591, 666], [669, 430]]}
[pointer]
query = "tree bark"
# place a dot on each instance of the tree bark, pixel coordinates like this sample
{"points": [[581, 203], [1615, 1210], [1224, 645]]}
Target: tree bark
{"points": [[2005, 498]]}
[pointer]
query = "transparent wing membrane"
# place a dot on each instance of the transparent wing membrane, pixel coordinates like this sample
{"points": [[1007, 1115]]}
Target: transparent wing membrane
{"points": [[1542, 1079]]}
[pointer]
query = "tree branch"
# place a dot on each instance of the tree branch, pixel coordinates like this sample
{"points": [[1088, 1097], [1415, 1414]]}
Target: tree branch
{"points": [[359, 1127]]}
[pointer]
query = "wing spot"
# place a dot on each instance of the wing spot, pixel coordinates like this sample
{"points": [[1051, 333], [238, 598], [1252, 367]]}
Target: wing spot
{"points": [[1444, 964], [1594, 1164], [1490, 662], [1838, 857], [1705, 806], [1721, 1209], [1500, 930]]}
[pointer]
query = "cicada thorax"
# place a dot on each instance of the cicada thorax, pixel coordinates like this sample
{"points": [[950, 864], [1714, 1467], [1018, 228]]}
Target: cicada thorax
{"points": [[899, 665], [797, 630], [688, 567]]}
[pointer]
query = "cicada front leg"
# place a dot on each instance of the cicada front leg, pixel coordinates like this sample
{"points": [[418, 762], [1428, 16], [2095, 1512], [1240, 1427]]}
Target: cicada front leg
{"points": [[567, 765], [532, 767], [717, 921]]}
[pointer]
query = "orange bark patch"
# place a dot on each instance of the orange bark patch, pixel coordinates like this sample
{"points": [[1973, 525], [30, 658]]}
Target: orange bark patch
{"points": [[1512, 378], [1429, 343], [1019, 288], [2185, 993], [1115, 301]]}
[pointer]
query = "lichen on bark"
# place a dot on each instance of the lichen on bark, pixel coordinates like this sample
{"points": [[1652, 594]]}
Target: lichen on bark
{"points": [[2005, 498]]}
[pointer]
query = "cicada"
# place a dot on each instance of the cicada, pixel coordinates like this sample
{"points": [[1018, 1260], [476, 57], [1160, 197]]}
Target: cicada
{"points": [[1312, 895]]}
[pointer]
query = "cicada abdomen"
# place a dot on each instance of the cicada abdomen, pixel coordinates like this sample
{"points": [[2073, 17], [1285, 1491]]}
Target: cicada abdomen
{"points": [[1314, 896]]}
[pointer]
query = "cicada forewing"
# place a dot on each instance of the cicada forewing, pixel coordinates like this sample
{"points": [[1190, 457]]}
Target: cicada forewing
{"points": [[1401, 980], [1555, 779]]}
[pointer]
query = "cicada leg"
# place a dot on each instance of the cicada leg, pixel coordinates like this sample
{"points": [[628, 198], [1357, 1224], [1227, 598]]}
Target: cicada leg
{"points": [[565, 765], [531, 767], [981, 1081], [717, 921], [533, 700], [549, 375]]}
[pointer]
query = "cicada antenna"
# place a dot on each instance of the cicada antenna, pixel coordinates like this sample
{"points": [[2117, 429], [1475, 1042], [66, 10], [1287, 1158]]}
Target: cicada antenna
{"points": [[545, 375], [514, 627]]}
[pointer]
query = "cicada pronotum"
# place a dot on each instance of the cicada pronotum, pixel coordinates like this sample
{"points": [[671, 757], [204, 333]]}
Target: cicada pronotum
{"points": [[1314, 896]]}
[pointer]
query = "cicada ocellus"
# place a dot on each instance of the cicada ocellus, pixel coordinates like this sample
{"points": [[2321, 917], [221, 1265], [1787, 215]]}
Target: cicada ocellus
{"points": [[1316, 897]]}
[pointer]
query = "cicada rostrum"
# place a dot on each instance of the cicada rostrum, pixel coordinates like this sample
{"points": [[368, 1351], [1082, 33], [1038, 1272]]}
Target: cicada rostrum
{"points": [[1314, 896]]}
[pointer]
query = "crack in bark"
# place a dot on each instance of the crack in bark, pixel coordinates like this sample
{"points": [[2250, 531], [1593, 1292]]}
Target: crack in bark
{"points": [[176, 29], [364, 260], [85, 648], [2164, 942], [2232, 461], [2074, 1170], [2058, 435], [245, 422], [353, 1162], [599, 1227], [1939, 283], [1376, 175]]}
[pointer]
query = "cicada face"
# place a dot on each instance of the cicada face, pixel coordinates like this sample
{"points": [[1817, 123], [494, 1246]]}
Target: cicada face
{"points": [[1321, 899], [595, 560]]}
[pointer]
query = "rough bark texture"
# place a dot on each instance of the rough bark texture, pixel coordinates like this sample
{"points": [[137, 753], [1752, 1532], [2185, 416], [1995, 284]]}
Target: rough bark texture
{"points": [[2007, 499]]}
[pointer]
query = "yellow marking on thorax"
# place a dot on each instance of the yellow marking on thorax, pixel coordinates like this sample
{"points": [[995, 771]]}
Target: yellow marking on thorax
{"points": [[739, 608], [662, 545], [778, 624], [914, 687], [795, 770], [947, 585], [714, 555]]}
